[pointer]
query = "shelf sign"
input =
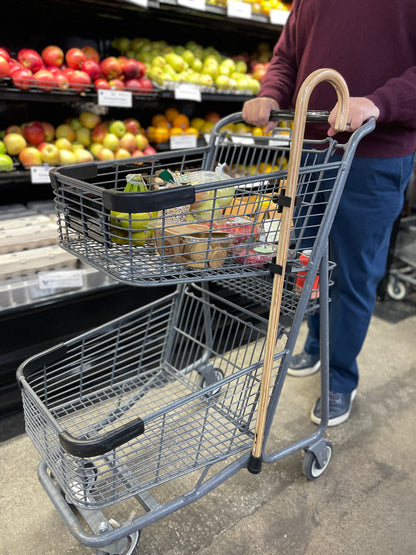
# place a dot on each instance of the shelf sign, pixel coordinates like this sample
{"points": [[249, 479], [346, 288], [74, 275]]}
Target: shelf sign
{"points": [[40, 174], [193, 4], [278, 17], [117, 99], [183, 141], [60, 279], [187, 91], [241, 10], [141, 3]]}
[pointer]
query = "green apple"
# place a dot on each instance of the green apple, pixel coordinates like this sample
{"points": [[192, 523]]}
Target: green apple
{"points": [[83, 135], [75, 123], [6, 163], [241, 66], [175, 61], [2, 148], [117, 127], [158, 61], [188, 56]]}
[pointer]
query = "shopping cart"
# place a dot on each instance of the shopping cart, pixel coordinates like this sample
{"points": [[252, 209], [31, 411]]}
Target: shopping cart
{"points": [[402, 273], [188, 384]]}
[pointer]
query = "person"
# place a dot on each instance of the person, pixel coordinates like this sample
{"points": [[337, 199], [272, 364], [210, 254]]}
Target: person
{"points": [[372, 44]]}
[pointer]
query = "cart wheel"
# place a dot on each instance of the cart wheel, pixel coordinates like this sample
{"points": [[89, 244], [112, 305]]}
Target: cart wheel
{"points": [[310, 466], [132, 547], [396, 289], [219, 374]]}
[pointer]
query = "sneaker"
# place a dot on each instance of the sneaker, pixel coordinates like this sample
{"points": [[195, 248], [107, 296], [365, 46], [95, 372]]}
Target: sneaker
{"points": [[304, 364], [339, 408]]}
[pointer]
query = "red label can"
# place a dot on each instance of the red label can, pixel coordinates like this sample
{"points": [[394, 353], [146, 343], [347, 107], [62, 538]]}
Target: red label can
{"points": [[300, 279]]}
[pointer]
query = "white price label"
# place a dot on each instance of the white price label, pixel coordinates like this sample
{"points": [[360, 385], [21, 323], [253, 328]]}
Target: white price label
{"points": [[183, 141], [40, 174], [241, 10], [277, 141], [60, 279], [243, 140], [187, 91], [193, 4], [118, 99], [278, 17], [141, 3]]}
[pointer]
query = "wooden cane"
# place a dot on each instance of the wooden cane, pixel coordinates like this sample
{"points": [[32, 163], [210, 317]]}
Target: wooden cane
{"points": [[338, 82]]}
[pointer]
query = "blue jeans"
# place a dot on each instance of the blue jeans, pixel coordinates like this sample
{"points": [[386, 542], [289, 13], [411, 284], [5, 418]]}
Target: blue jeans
{"points": [[359, 240]]}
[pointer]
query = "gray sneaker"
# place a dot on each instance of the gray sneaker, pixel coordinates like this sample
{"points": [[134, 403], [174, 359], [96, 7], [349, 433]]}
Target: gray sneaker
{"points": [[304, 364], [339, 408]]}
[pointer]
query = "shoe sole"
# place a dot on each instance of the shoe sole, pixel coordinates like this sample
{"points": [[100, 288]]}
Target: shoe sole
{"points": [[339, 419], [305, 371]]}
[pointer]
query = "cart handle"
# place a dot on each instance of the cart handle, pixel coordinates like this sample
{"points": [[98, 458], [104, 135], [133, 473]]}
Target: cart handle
{"points": [[103, 443]]}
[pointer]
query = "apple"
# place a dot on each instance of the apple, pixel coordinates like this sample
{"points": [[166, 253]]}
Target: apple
{"points": [[98, 133], [131, 69], [128, 142], [2, 147], [142, 67], [117, 127], [33, 132], [30, 156], [121, 153], [49, 131], [141, 141], [133, 85], [137, 153], [149, 150], [111, 141], [15, 143], [50, 154], [83, 156], [105, 154], [5, 53], [42, 145], [74, 123], [52, 56], [22, 78], [76, 145], [14, 65], [145, 83], [6, 163], [89, 119], [30, 59], [67, 156], [91, 53], [14, 129], [4, 68], [63, 144], [79, 81], [95, 149], [61, 78], [83, 135], [101, 84], [75, 57], [116, 84], [111, 68], [92, 69], [65, 130], [132, 125], [45, 80]]}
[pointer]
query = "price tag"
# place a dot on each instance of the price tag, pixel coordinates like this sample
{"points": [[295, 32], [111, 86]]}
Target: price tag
{"points": [[183, 141], [278, 17], [141, 3], [193, 4], [241, 10], [40, 174], [60, 279], [243, 139], [277, 141], [187, 91], [118, 99]]}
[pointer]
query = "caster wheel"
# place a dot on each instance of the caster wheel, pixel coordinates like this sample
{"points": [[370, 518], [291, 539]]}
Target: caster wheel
{"points": [[396, 289], [310, 466], [219, 375], [132, 547]]}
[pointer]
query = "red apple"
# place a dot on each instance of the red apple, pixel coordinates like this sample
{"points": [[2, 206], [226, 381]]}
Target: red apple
{"points": [[133, 85], [22, 79], [49, 131], [15, 143], [128, 142], [61, 79], [149, 150], [116, 84], [4, 67], [91, 53], [30, 156], [259, 74], [142, 68], [53, 56], [33, 132], [75, 57], [30, 59], [79, 81], [14, 65], [111, 68], [98, 133], [101, 84], [5, 53], [132, 125], [131, 69], [92, 69], [145, 83], [45, 80]]}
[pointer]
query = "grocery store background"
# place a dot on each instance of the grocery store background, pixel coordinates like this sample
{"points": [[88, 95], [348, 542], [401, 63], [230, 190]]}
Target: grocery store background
{"points": [[365, 501]]}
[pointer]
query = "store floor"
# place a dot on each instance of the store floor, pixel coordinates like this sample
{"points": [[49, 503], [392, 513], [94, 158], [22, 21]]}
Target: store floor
{"points": [[364, 503]]}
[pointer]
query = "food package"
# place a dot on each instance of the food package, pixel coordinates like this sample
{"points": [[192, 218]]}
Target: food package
{"points": [[256, 254]]}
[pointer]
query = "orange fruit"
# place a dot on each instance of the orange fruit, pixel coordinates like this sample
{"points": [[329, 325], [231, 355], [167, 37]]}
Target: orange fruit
{"points": [[192, 131], [150, 132], [171, 113], [257, 131], [157, 118], [161, 135], [181, 121], [176, 131]]}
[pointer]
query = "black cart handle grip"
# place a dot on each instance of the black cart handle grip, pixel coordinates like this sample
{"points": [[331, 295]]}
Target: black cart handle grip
{"points": [[103, 443], [312, 116]]}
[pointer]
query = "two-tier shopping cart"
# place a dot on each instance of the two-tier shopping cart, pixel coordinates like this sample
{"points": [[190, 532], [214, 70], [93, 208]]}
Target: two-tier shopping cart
{"points": [[187, 384]]}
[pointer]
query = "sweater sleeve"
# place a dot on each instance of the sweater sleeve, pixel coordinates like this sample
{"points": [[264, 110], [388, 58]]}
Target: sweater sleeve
{"points": [[396, 99], [280, 80]]}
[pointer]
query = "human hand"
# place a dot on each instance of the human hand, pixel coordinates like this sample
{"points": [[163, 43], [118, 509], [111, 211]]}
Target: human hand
{"points": [[257, 112], [359, 110]]}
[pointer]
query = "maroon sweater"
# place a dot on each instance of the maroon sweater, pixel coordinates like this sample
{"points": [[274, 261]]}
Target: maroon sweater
{"points": [[372, 44]]}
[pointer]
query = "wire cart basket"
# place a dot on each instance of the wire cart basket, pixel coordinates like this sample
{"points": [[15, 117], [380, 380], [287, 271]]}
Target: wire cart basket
{"points": [[189, 383]]}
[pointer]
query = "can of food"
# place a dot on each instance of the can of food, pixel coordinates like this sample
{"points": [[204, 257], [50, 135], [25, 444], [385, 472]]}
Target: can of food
{"points": [[301, 276]]}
